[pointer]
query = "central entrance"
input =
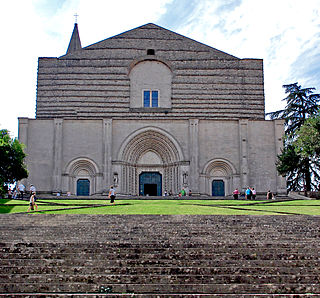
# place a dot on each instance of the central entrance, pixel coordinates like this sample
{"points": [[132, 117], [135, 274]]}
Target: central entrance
{"points": [[150, 184]]}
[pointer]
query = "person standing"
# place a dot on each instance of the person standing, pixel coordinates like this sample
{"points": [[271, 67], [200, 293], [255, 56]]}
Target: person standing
{"points": [[248, 193], [21, 189], [236, 194], [112, 195], [254, 194]]}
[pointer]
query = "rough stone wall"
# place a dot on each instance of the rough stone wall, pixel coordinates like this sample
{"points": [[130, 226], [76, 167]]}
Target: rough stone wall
{"points": [[94, 81]]}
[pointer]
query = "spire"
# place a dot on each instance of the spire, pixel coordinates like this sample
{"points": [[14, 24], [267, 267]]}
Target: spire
{"points": [[75, 43]]}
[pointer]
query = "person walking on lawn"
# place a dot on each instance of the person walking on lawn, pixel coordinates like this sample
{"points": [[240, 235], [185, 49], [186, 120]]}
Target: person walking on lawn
{"points": [[112, 195]]}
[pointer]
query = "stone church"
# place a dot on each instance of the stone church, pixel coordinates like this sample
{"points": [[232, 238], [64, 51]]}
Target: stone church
{"points": [[149, 111]]}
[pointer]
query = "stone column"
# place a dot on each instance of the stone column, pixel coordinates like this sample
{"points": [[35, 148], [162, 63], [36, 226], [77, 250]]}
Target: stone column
{"points": [[243, 153], [194, 155], [107, 154], [57, 155], [281, 184]]}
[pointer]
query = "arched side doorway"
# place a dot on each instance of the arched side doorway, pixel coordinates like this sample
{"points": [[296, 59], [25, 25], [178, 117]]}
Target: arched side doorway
{"points": [[81, 177], [218, 176], [150, 184], [83, 187]]}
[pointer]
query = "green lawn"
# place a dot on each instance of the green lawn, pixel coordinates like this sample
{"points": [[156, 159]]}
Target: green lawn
{"points": [[222, 207]]}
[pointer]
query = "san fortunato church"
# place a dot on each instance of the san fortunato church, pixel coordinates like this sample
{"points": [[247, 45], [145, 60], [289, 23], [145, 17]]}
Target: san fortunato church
{"points": [[150, 111]]}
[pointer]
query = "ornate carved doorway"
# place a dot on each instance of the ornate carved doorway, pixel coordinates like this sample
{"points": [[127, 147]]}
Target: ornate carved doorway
{"points": [[150, 150]]}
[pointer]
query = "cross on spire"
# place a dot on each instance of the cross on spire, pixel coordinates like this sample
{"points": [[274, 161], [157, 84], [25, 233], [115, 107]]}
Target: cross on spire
{"points": [[76, 17]]}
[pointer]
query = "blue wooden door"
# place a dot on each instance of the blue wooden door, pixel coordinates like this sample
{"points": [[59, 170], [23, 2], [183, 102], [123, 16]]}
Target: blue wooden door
{"points": [[83, 187], [218, 188], [150, 183]]}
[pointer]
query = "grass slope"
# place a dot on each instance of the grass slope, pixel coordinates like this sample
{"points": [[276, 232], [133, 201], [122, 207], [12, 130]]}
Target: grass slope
{"points": [[207, 207]]}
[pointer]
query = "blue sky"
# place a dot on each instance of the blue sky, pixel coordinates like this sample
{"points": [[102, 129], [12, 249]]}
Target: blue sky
{"points": [[284, 33]]}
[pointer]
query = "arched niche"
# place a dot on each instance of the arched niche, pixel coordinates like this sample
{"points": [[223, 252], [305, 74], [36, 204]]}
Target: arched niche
{"points": [[154, 77]]}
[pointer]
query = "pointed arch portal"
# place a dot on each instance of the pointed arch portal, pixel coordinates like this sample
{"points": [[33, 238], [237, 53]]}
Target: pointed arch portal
{"points": [[151, 160]]}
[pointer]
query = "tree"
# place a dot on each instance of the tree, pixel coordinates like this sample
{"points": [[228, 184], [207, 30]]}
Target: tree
{"points": [[301, 104], [12, 167], [307, 145], [308, 138]]}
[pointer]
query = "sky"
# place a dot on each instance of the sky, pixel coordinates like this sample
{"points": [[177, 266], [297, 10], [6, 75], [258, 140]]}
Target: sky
{"points": [[284, 33]]}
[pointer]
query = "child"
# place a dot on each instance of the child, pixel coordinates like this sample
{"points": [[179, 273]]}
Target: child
{"points": [[32, 203]]}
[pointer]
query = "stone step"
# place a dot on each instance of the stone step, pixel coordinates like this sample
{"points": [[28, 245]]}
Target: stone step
{"points": [[172, 270], [164, 263], [160, 279], [175, 295], [259, 288], [106, 245], [156, 255], [169, 255], [157, 248]]}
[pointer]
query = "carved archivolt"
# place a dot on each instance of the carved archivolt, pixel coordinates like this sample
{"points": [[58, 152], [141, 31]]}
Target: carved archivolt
{"points": [[81, 165], [219, 167], [161, 154], [153, 141]]}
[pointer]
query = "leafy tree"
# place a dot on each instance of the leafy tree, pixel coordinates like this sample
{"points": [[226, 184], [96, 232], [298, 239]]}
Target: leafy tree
{"points": [[12, 167], [308, 138], [307, 145], [297, 167]]}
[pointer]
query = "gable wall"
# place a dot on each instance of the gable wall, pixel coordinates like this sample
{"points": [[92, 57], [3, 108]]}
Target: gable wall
{"points": [[94, 82]]}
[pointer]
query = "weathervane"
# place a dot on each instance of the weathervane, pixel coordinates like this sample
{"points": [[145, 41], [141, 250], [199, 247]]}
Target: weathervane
{"points": [[76, 17]]}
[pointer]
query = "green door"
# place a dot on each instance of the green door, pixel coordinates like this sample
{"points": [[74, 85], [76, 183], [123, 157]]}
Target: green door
{"points": [[83, 187], [218, 188]]}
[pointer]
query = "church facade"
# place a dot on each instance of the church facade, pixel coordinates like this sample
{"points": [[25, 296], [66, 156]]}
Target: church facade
{"points": [[150, 111]]}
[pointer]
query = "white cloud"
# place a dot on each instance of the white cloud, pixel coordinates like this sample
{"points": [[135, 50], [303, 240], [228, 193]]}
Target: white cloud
{"points": [[284, 33]]}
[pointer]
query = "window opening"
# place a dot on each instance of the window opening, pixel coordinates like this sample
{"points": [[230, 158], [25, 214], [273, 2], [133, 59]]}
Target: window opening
{"points": [[150, 98], [150, 52]]}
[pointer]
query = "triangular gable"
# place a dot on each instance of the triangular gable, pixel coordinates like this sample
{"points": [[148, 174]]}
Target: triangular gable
{"points": [[152, 31]]}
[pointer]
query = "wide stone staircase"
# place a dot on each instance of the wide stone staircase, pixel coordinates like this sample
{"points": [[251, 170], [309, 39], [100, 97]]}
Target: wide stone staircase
{"points": [[159, 256]]}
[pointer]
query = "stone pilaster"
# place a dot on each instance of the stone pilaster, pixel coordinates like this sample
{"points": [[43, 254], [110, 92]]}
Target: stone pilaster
{"points": [[107, 154], [194, 155], [243, 154], [278, 141], [23, 138], [57, 155]]}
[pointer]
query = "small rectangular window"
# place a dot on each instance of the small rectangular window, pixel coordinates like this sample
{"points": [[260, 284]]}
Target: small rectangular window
{"points": [[150, 98]]}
